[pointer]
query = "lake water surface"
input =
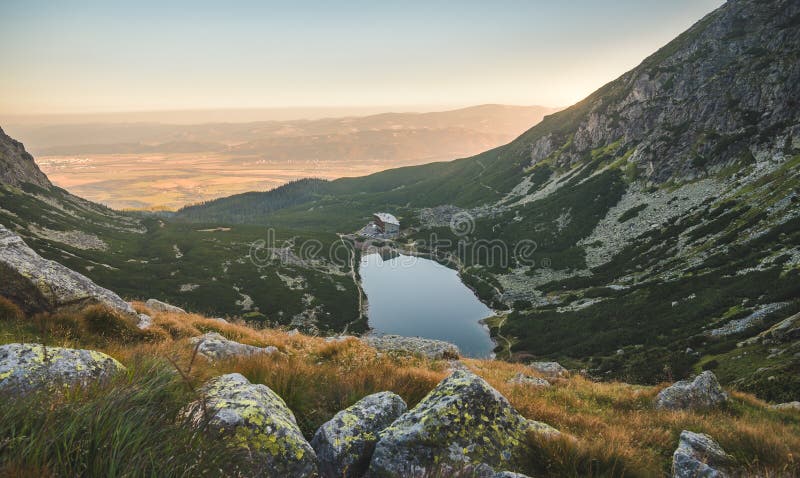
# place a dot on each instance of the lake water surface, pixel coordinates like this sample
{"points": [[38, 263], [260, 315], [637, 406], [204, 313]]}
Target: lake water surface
{"points": [[418, 297]]}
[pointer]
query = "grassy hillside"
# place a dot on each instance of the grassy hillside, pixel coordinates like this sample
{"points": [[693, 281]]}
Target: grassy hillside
{"points": [[128, 427]]}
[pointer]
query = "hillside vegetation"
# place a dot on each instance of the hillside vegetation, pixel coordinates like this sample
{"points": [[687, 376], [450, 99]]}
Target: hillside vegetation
{"points": [[128, 427]]}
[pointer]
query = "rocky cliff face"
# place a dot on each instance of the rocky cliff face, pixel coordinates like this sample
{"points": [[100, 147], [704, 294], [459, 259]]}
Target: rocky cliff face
{"points": [[722, 91], [17, 166]]}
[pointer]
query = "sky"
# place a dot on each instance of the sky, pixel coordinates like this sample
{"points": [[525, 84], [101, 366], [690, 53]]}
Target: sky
{"points": [[74, 57]]}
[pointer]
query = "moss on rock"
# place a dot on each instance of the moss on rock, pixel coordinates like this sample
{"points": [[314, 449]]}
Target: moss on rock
{"points": [[255, 418]]}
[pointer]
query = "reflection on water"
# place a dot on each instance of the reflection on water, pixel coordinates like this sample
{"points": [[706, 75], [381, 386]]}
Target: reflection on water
{"points": [[418, 297]]}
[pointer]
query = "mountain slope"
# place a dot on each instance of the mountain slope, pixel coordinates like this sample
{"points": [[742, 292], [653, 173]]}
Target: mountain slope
{"points": [[642, 233], [17, 166], [242, 271]]}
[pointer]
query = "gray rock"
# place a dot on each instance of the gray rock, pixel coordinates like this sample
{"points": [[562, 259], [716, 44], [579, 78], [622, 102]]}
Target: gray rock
{"points": [[522, 379], [41, 285], [158, 306], [485, 471], [214, 346], [702, 392], [344, 445], [433, 349], [786, 406], [784, 331], [699, 456], [28, 367], [17, 166], [550, 369], [145, 321], [256, 419], [462, 421]]}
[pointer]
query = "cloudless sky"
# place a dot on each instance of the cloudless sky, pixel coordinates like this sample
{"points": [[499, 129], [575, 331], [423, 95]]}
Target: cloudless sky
{"points": [[100, 56]]}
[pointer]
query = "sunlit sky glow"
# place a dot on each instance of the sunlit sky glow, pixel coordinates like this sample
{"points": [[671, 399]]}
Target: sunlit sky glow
{"points": [[102, 56]]}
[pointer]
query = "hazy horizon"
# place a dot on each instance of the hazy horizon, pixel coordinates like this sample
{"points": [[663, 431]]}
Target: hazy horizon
{"points": [[104, 58], [238, 115]]}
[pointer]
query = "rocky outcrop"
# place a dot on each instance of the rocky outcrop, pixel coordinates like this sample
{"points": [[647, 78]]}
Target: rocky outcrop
{"points": [[214, 346], [41, 285], [253, 417], [522, 379], [28, 367], [702, 392], [699, 456], [786, 406], [462, 422], [700, 101], [433, 349], [784, 331], [344, 445], [17, 167], [158, 306], [550, 369]]}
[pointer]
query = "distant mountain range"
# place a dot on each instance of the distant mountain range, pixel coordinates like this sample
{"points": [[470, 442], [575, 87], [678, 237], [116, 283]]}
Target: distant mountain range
{"points": [[165, 166]]}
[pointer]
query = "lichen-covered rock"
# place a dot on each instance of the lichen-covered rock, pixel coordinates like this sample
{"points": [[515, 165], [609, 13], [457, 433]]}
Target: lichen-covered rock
{"points": [[699, 456], [255, 418], [214, 346], [28, 367], [550, 369], [462, 422], [433, 349], [158, 306], [702, 392], [41, 285], [522, 379], [344, 445]]}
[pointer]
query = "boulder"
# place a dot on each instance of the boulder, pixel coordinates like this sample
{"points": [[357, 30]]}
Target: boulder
{"points": [[550, 369], [145, 321], [254, 418], [702, 392], [158, 306], [522, 379], [786, 406], [433, 349], [699, 456], [214, 346], [461, 423], [344, 445], [28, 367], [40, 285], [485, 471]]}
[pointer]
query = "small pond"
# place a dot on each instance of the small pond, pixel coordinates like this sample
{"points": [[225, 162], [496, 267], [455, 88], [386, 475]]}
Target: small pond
{"points": [[418, 297]]}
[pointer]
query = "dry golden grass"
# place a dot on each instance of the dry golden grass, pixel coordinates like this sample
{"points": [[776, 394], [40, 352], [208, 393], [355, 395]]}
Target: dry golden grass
{"points": [[613, 428]]}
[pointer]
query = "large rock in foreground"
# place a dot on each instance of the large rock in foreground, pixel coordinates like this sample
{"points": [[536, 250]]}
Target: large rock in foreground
{"points": [[28, 367], [699, 456], [702, 392], [214, 346], [344, 445], [255, 418], [462, 422], [41, 285], [433, 349], [158, 306]]}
